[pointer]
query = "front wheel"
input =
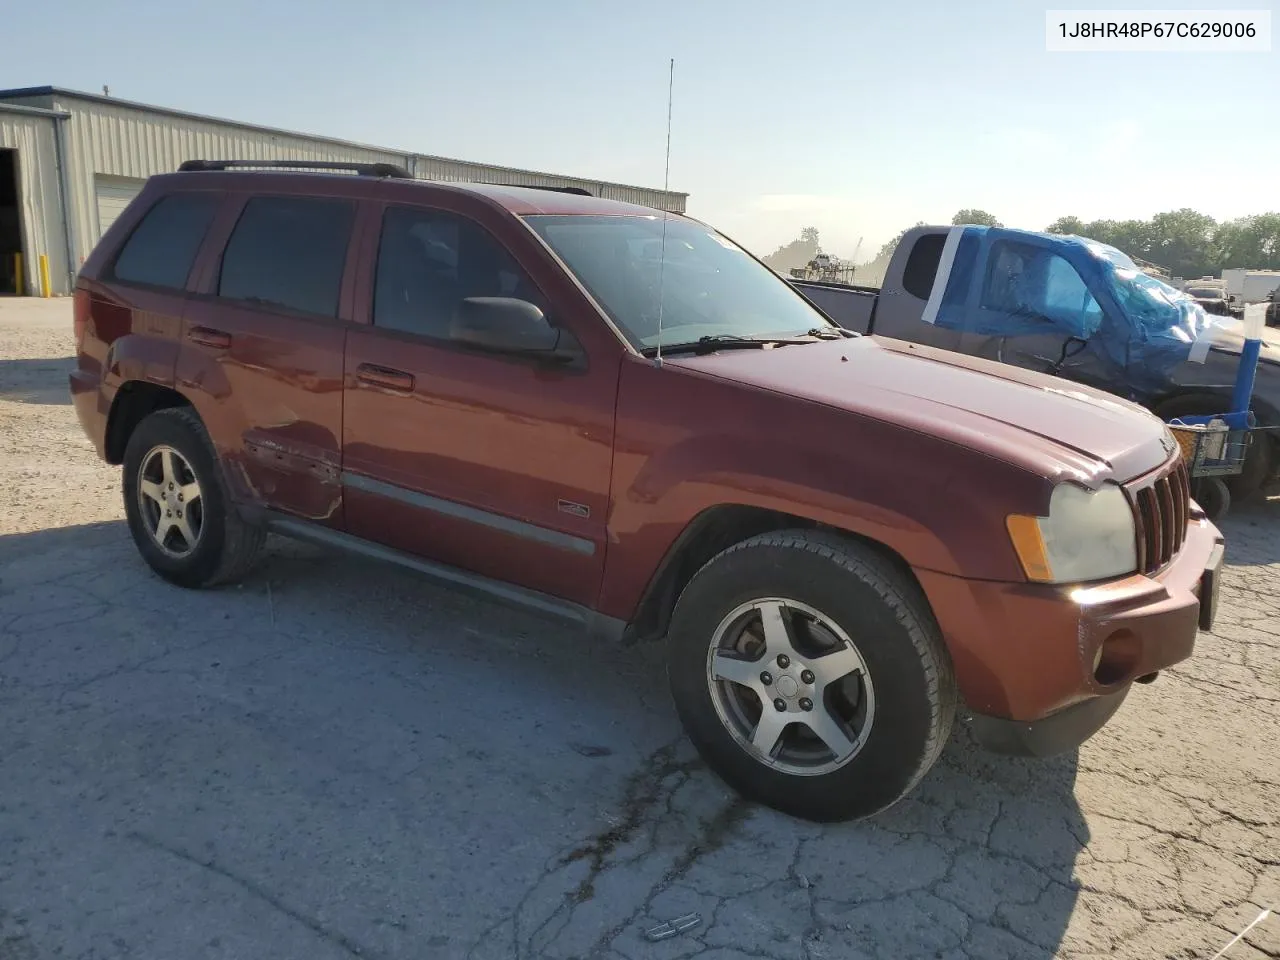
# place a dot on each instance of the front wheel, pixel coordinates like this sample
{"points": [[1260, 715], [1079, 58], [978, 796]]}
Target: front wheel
{"points": [[810, 674]]}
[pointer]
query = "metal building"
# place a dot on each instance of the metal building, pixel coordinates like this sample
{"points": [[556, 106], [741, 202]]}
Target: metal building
{"points": [[75, 160]]}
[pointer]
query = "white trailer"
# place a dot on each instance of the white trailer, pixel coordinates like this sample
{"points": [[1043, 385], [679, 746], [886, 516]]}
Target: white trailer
{"points": [[1250, 286]]}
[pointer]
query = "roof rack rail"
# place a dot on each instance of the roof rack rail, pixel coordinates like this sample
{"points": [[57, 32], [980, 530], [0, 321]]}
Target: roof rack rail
{"points": [[363, 169], [576, 191]]}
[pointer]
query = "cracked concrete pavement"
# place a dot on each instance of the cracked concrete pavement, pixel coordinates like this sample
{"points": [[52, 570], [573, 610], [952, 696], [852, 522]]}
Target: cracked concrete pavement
{"points": [[338, 759]]}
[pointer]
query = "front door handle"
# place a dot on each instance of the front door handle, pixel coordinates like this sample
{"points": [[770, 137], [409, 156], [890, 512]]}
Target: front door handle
{"points": [[209, 337], [385, 378]]}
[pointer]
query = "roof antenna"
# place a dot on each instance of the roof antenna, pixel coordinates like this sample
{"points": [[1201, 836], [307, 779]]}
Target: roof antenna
{"points": [[666, 183]]}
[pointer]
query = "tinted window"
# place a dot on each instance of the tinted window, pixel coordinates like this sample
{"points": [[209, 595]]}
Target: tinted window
{"points": [[163, 246], [922, 265], [429, 261], [288, 252]]}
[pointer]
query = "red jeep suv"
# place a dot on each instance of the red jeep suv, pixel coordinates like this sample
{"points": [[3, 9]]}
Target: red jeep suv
{"points": [[617, 417]]}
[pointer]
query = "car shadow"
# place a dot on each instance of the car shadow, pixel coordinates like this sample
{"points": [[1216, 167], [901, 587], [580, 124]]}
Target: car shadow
{"points": [[489, 756], [38, 381]]}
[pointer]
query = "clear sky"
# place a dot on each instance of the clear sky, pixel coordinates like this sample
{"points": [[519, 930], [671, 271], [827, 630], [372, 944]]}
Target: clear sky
{"points": [[856, 118]]}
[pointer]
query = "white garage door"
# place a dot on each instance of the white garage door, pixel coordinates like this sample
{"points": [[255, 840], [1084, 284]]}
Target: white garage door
{"points": [[113, 195]]}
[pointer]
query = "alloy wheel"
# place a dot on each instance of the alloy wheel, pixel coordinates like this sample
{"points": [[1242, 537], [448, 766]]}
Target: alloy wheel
{"points": [[170, 500], [790, 686]]}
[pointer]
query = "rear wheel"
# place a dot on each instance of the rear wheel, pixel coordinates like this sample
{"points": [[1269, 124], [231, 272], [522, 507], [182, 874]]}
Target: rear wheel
{"points": [[810, 674], [181, 518]]}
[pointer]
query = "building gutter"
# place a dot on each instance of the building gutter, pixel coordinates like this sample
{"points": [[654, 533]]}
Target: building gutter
{"points": [[64, 197]]}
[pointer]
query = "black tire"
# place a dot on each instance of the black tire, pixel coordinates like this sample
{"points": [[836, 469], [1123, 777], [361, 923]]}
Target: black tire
{"points": [[1249, 483], [1213, 495], [226, 546], [889, 621]]}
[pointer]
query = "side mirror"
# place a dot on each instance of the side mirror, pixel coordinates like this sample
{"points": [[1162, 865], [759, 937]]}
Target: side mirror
{"points": [[506, 325]]}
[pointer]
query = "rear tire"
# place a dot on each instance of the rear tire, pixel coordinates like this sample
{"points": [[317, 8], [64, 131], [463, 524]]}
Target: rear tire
{"points": [[180, 515], [804, 617]]}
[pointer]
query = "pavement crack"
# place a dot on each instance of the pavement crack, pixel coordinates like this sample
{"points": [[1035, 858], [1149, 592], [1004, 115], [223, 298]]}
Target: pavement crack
{"points": [[715, 831], [642, 793], [335, 937]]}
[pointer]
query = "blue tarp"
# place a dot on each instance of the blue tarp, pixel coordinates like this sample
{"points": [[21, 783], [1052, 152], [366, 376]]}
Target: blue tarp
{"points": [[1012, 283]]}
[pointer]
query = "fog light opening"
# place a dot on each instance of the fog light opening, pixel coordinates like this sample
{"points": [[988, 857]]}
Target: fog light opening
{"points": [[1115, 659]]}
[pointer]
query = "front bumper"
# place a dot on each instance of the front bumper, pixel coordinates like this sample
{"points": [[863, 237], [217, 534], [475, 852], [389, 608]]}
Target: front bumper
{"points": [[1025, 653]]}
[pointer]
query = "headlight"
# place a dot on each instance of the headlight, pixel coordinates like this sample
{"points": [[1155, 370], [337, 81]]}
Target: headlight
{"points": [[1087, 536]]}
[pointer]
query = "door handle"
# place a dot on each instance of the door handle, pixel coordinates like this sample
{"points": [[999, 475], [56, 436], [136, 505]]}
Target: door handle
{"points": [[384, 377], [209, 337]]}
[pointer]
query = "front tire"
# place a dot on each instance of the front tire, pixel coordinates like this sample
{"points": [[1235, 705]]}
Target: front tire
{"points": [[180, 515], [810, 674]]}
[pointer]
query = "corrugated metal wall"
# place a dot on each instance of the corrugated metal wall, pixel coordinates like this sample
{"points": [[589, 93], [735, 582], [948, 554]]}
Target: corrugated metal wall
{"points": [[40, 210], [132, 141], [122, 141]]}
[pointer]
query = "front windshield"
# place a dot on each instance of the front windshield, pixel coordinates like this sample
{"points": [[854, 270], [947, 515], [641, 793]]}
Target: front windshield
{"points": [[1155, 310], [710, 286]]}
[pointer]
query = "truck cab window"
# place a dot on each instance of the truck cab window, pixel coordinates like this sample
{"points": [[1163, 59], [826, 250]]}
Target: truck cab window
{"points": [[429, 261], [922, 265], [1030, 282]]}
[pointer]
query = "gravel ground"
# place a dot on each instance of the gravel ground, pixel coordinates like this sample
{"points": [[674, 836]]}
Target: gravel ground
{"points": [[337, 759]]}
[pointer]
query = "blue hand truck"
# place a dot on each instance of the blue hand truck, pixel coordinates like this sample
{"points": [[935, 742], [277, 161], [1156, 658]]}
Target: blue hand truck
{"points": [[1215, 446]]}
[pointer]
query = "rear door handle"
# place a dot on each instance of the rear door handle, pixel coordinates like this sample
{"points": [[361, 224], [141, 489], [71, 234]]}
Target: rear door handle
{"points": [[209, 337], [385, 377]]}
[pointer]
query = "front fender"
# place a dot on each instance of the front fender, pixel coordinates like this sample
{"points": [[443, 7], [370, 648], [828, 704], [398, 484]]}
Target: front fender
{"points": [[935, 519]]}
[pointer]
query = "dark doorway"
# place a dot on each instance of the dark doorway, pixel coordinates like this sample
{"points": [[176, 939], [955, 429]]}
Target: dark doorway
{"points": [[10, 223]]}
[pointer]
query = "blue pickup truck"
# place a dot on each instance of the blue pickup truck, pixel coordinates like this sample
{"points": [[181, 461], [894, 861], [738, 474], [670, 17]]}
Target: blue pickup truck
{"points": [[1067, 306]]}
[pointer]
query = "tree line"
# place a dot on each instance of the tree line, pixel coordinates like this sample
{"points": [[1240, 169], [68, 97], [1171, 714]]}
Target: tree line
{"points": [[1185, 242]]}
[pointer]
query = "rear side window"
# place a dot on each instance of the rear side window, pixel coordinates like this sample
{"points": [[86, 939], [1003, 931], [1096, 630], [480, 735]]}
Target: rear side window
{"points": [[288, 252], [162, 248], [922, 265]]}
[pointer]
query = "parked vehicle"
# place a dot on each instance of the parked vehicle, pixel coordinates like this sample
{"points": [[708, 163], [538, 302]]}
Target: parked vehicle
{"points": [[1138, 331], [1250, 286], [618, 418], [1212, 298]]}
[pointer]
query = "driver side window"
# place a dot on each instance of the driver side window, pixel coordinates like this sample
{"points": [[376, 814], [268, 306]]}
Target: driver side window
{"points": [[1032, 283], [429, 261]]}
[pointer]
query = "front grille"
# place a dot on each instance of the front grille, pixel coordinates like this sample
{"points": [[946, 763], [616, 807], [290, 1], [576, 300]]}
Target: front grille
{"points": [[1163, 511]]}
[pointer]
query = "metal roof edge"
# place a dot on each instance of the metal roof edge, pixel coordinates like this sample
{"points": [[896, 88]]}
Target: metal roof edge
{"points": [[205, 118], [33, 111]]}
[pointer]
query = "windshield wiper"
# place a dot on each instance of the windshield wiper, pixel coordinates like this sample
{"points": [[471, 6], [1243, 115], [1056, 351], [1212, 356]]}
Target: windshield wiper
{"points": [[727, 341], [832, 333]]}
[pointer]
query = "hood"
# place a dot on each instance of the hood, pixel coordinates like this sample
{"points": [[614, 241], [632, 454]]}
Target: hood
{"points": [[1230, 339], [1045, 424]]}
